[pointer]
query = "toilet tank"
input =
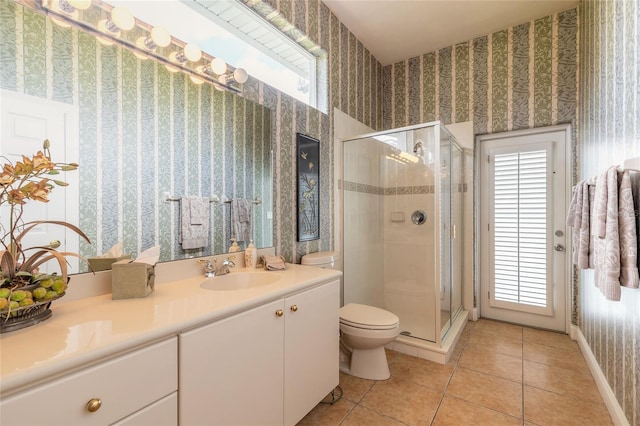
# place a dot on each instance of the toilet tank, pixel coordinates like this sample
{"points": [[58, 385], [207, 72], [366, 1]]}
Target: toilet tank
{"points": [[328, 260], [322, 259]]}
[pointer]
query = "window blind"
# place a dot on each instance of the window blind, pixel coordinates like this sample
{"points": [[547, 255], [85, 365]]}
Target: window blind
{"points": [[520, 227]]}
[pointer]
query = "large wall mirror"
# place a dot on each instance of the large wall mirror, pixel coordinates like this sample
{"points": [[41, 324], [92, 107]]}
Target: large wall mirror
{"points": [[144, 134]]}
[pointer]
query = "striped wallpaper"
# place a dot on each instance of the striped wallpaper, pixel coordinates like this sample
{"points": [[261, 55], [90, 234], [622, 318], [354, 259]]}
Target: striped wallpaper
{"points": [[517, 78], [609, 132], [143, 131], [351, 79]]}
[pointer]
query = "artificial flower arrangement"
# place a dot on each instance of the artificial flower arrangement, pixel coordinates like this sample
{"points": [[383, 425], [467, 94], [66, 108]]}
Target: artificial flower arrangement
{"points": [[22, 287]]}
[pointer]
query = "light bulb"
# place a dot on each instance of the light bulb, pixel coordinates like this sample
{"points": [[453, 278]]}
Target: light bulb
{"points": [[122, 18], [66, 8], [192, 52], [103, 41], [196, 80], [224, 79], [219, 66], [171, 69], [160, 36], [240, 75], [80, 4]]}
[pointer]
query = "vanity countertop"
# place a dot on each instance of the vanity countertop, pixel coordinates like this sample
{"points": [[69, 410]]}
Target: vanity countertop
{"points": [[84, 331]]}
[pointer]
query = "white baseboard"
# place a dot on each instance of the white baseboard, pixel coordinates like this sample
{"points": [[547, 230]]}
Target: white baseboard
{"points": [[573, 332], [615, 411], [474, 314]]}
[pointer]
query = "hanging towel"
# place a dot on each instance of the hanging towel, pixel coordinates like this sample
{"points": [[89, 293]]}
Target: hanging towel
{"points": [[578, 218], [600, 205], [634, 177], [607, 262], [628, 234], [241, 219], [194, 222]]}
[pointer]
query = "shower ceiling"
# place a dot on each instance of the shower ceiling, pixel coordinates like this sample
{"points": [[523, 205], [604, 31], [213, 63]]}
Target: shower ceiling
{"points": [[394, 30]]}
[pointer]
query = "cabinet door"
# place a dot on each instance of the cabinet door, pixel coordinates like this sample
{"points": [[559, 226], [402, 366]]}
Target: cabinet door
{"points": [[312, 338], [123, 385], [231, 371], [160, 413]]}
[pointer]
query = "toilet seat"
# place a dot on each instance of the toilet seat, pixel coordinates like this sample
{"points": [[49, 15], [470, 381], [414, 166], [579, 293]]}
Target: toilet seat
{"points": [[367, 317]]}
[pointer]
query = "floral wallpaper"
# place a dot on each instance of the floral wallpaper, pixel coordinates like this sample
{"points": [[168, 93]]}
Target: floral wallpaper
{"points": [[608, 133], [521, 77]]}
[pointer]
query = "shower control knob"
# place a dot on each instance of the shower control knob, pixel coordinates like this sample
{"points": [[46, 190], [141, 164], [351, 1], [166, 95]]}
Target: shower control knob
{"points": [[279, 313], [558, 247], [418, 217]]}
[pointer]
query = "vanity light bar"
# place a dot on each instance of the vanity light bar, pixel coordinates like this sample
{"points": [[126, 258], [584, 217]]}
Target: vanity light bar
{"points": [[48, 8]]}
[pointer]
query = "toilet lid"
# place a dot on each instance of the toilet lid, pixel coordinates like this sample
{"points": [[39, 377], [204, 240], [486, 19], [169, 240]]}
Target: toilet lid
{"points": [[364, 316]]}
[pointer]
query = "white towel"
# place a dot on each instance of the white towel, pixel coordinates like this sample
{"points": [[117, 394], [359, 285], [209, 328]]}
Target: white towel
{"points": [[194, 222], [241, 219]]}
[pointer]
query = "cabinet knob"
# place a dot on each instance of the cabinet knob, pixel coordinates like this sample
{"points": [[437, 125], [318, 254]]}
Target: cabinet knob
{"points": [[294, 308], [94, 405], [279, 313]]}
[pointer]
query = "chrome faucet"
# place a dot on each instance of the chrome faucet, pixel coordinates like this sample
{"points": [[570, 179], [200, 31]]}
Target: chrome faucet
{"points": [[211, 270], [224, 268]]}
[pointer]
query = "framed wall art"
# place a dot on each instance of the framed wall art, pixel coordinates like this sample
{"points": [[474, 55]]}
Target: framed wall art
{"points": [[308, 183]]}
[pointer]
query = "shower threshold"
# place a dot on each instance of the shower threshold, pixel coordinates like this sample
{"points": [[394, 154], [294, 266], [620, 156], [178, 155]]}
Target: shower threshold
{"points": [[426, 349]]}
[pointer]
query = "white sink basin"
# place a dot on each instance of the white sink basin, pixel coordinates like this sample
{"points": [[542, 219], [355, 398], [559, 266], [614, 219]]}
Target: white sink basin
{"points": [[240, 281]]}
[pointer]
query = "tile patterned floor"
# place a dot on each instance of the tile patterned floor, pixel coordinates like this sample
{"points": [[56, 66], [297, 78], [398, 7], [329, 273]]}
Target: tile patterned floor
{"points": [[499, 374]]}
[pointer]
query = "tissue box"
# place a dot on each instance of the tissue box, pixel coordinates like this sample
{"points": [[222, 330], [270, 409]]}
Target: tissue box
{"points": [[131, 279], [104, 263]]}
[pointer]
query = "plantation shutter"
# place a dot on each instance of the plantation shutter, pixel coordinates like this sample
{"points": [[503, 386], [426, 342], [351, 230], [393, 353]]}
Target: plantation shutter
{"points": [[521, 270]]}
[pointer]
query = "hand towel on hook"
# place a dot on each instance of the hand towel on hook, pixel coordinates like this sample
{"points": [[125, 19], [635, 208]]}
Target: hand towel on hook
{"points": [[241, 219], [194, 222]]}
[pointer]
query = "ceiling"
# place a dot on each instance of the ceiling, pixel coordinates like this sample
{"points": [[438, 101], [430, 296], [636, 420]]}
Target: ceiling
{"points": [[394, 30]]}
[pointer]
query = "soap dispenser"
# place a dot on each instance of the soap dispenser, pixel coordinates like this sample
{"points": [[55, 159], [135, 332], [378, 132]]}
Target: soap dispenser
{"points": [[234, 247], [250, 256]]}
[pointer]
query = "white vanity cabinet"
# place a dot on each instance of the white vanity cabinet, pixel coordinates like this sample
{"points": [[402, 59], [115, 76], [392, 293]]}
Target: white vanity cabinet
{"points": [[267, 366], [139, 384]]}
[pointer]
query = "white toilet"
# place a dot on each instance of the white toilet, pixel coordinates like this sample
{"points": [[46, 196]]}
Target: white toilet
{"points": [[364, 330]]}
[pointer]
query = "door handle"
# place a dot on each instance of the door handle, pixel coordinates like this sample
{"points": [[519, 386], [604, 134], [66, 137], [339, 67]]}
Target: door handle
{"points": [[558, 247]]}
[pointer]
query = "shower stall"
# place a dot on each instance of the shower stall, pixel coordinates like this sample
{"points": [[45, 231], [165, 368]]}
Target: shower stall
{"points": [[402, 232]]}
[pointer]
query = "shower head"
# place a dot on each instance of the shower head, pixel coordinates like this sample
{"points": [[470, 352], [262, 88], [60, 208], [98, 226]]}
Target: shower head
{"points": [[417, 146]]}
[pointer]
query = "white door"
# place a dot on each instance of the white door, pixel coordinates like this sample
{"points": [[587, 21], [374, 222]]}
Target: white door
{"points": [[26, 121], [523, 243]]}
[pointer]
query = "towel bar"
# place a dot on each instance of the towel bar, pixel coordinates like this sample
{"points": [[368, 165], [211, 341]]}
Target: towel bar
{"points": [[213, 199]]}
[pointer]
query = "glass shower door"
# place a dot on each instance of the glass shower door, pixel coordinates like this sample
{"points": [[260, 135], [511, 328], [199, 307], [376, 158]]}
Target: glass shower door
{"points": [[445, 232]]}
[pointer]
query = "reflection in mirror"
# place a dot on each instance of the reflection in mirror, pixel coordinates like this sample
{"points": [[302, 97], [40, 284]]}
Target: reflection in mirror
{"points": [[144, 133]]}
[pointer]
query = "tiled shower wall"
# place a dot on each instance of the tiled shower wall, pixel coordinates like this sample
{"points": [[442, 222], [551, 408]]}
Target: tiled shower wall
{"points": [[143, 131], [517, 78], [609, 132]]}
